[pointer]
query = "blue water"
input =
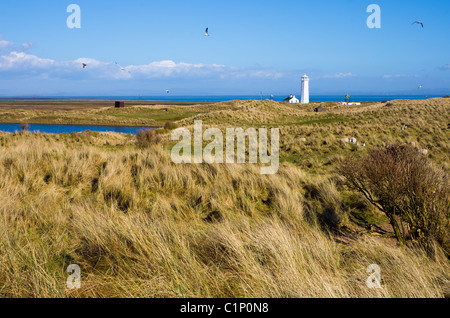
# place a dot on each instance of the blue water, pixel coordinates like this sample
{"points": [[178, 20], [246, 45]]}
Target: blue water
{"points": [[313, 98], [59, 129]]}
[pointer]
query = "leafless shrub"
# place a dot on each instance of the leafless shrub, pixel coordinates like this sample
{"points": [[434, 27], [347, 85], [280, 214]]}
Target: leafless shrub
{"points": [[402, 184], [145, 138]]}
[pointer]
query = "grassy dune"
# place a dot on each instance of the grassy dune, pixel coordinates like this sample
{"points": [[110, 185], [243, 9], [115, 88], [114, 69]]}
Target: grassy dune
{"points": [[139, 225]]}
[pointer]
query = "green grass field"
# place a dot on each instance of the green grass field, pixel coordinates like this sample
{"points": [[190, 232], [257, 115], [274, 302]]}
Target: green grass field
{"points": [[136, 113]]}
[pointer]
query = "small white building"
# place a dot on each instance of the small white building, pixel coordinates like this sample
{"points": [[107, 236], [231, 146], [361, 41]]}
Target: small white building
{"points": [[292, 100]]}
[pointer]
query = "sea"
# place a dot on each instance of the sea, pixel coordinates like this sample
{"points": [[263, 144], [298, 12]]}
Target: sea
{"points": [[313, 98], [57, 129]]}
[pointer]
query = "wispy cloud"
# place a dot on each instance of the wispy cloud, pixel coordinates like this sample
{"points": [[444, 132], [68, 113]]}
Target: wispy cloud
{"points": [[445, 67], [340, 75], [6, 45], [168, 68], [401, 76], [10, 46], [27, 46]]}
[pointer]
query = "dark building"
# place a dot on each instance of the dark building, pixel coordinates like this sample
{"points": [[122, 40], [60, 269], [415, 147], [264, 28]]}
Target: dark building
{"points": [[320, 110], [120, 104]]}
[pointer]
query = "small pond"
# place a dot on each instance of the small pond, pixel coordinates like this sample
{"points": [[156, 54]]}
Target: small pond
{"points": [[59, 129]]}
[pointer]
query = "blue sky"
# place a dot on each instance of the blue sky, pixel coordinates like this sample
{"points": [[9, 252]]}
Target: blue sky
{"points": [[254, 46]]}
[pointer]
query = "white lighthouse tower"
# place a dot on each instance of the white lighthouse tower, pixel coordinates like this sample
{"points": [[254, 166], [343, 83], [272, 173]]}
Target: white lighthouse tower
{"points": [[305, 89]]}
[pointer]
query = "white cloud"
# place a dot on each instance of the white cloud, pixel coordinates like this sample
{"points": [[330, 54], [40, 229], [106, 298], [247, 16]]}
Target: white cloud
{"points": [[168, 68], [23, 61], [10, 46], [340, 75], [18, 62], [27, 46], [400, 76], [259, 74], [6, 45], [26, 64]]}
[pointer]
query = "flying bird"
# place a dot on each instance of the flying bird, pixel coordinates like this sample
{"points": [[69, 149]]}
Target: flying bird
{"points": [[420, 86], [84, 65], [206, 32], [167, 91], [418, 22], [122, 68]]}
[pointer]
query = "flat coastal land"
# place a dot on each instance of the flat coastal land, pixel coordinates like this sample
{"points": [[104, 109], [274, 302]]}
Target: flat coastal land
{"points": [[136, 113], [139, 225]]}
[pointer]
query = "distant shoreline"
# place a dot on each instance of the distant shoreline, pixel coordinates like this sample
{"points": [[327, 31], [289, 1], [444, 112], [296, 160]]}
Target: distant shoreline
{"points": [[209, 99], [151, 114]]}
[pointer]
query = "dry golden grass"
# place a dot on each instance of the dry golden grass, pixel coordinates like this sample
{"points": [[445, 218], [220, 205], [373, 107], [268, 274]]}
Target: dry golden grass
{"points": [[139, 225]]}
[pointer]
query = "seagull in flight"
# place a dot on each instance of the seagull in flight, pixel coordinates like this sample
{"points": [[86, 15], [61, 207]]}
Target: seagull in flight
{"points": [[84, 65], [418, 22], [167, 91], [122, 68], [420, 86], [206, 32]]}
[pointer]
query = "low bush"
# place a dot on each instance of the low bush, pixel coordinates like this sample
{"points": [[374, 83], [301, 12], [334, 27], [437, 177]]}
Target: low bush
{"points": [[407, 189], [170, 125], [146, 138]]}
